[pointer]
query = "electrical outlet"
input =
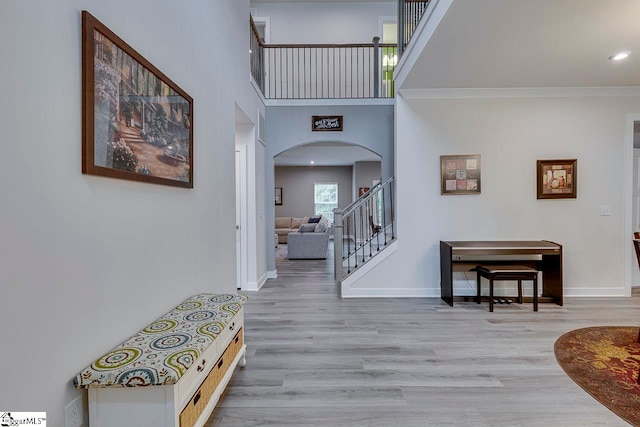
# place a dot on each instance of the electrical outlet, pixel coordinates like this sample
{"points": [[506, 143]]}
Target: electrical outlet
{"points": [[73, 415]]}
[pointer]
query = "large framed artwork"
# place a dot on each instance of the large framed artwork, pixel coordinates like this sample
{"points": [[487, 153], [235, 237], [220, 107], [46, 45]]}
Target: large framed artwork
{"points": [[557, 179], [460, 174], [137, 124]]}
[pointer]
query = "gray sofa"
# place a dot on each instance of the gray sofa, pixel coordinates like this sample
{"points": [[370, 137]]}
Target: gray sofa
{"points": [[310, 241]]}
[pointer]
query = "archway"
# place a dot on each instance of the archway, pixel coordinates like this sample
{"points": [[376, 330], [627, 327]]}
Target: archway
{"points": [[316, 177]]}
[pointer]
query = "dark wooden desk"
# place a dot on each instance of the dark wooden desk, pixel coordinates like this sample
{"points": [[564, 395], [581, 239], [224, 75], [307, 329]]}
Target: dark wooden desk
{"points": [[543, 255]]}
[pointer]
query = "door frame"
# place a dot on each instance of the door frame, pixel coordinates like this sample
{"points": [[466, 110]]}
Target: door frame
{"points": [[241, 176], [629, 256]]}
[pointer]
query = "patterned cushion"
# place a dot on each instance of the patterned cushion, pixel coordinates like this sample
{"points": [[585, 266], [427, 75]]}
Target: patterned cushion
{"points": [[163, 351], [295, 223], [315, 219]]}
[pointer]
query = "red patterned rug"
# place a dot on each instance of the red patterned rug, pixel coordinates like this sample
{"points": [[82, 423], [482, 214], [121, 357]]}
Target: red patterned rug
{"points": [[605, 361]]}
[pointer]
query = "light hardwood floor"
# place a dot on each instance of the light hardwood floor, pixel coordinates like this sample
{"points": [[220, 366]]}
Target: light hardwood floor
{"points": [[317, 360]]}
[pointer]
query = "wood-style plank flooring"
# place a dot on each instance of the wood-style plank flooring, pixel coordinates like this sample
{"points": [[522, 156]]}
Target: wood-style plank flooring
{"points": [[317, 360]]}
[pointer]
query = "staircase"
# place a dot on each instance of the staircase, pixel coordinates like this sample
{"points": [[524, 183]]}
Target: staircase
{"points": [[363, 230]]}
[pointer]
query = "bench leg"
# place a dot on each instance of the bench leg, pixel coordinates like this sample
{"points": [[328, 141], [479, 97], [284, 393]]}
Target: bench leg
{"points": [[519, 291], [478, 297], [535, 292], [491, 294]]}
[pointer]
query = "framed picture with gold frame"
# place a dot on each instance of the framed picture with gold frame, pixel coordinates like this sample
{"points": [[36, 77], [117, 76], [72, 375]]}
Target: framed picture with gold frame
{"points": [[460, 174], [557, 179]]}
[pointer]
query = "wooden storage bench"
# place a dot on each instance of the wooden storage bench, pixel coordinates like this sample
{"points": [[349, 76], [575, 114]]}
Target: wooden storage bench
{"points": [[171, 373]]}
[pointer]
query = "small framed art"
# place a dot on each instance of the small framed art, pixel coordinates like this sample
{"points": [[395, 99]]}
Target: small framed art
{"points": [[557, 179], [460, 174], [278, 196]]}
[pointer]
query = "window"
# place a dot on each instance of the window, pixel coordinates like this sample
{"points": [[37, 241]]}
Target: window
{"points": [[325, 198]]}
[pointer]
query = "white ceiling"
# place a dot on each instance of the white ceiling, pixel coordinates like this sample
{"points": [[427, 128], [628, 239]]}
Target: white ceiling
{"points": [[325, 154], [524, 43]]}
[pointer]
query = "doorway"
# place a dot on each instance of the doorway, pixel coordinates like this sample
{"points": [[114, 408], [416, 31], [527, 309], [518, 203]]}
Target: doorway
{"points": [[635, 202]]}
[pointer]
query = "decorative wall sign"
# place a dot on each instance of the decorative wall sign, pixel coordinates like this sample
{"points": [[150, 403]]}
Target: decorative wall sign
{"points": [[326, 123], [278, 196], [557, 179], [460, 174], [136, 123]]}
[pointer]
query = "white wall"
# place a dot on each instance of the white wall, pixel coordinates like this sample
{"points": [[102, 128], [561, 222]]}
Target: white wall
{"points": [[325, 22], [510, 134], [364, 174], [370, 126], [87, 261]]}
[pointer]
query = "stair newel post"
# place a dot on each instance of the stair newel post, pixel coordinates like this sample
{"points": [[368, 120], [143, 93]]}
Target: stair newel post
{"points": [[401, 18], [376, 63], [391, 184], [349, 228], [369, 228], [362, 236], [337, 243], [384, 215]]}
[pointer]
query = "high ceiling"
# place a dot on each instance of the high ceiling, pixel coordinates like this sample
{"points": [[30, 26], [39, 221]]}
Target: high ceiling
{"points": [[524, 43]]}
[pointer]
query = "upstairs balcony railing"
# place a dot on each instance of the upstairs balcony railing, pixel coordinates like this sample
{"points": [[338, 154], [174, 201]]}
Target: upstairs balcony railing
{"points": [[323, 71], [410, 12]]}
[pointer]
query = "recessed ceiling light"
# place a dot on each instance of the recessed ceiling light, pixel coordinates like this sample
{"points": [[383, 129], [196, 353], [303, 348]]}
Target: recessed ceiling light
{"points": [[619, 56], [312, 162]]}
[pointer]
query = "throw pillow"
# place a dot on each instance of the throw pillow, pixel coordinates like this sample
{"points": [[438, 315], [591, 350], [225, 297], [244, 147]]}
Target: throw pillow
{"points": [[307, 228], [315, 219], [283, 222], [321, 227]]}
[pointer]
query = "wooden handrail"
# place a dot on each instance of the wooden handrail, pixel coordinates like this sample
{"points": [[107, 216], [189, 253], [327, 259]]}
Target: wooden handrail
{"points": [[256, 34], [316, 46]]}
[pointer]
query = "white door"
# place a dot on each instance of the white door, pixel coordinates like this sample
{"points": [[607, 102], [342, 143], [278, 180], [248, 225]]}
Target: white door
{"points": [[238, 220], [635, 217]]}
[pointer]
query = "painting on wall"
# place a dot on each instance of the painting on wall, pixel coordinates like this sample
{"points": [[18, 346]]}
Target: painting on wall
{"points": [[136, 123], [460, 174], [278, 196], [362, 191], [557, 179]]}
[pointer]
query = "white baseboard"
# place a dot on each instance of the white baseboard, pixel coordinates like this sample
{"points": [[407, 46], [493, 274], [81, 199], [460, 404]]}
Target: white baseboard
{"points": [[594, 292], [273, 274], [390, 293], [255, 286], [351, 292]]}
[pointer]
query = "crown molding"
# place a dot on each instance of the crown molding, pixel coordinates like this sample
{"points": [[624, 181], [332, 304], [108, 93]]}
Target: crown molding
{"points": [[521, 92]]}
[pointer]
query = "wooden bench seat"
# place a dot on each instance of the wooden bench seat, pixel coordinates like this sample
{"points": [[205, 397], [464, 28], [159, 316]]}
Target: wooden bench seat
{"points": [[507, 272], [173, 371]]}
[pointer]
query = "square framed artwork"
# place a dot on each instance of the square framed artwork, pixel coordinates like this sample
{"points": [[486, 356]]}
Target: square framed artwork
{"points": [[557, 179], [137, 124], [362, 191], [460, 174]]}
